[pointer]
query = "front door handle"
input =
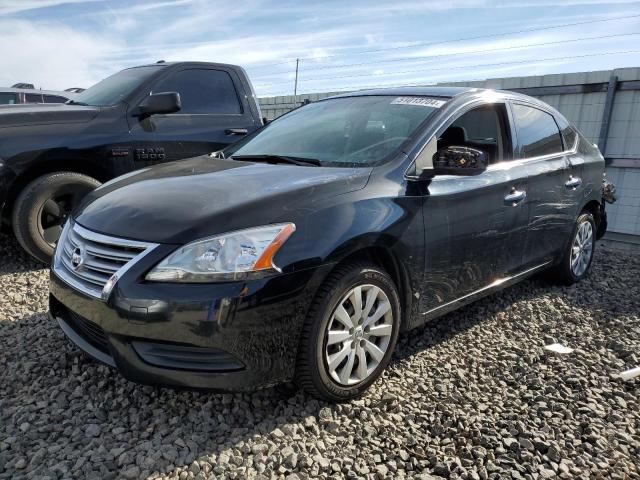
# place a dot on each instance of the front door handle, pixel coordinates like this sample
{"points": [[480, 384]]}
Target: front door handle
{"points": [[515, 197], [573, 183], [236, 131]]}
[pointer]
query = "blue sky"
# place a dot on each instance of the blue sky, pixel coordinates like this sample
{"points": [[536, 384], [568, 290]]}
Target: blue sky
{"points": [[342, 44]]}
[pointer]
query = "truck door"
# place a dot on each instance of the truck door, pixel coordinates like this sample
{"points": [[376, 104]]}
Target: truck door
{"points": [[475, 226], [213, 115]]}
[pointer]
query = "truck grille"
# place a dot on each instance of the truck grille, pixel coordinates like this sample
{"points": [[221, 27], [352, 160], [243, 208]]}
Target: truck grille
{"points": [[87, 260]]}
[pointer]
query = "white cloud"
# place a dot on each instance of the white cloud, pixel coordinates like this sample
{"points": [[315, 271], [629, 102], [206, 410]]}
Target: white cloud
{"points": [[50, 56], [8, 7]]}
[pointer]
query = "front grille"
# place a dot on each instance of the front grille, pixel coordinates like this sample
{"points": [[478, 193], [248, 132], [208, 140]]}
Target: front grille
{"points": [[87, 260], [91, 332]]}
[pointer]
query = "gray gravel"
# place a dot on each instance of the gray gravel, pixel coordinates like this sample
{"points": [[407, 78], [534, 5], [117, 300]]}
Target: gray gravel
{"points": [[473, 396]]}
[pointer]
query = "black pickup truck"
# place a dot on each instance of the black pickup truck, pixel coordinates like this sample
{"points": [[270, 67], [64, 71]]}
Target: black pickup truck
{"points": [[52, 155]]}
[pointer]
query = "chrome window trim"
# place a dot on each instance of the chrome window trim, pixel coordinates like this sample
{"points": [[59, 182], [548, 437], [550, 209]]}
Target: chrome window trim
{"points": [[101, 294]]}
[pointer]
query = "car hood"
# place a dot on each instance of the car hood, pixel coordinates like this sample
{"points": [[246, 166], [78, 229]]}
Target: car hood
{"points": [[44, 114], [183, 201]]}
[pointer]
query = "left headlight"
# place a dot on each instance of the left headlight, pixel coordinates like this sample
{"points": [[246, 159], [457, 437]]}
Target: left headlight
{"points": [[230, 256]]}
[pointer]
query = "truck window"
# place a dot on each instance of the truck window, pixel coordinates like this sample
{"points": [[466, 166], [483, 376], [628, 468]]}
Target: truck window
{"points": [[54, 99], [202, 91], [538, 133], [8, 98], [32, 98]]}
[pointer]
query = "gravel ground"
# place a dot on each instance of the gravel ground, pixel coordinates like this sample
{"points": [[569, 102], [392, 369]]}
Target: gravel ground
{"points": [[472, 396]]}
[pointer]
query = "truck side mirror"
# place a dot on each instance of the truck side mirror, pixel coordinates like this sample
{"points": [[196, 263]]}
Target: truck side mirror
{"points": [[166, 102], [455, 160]]}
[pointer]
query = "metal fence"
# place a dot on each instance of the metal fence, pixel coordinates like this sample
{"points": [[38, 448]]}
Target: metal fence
{"points": [[604, 105]]}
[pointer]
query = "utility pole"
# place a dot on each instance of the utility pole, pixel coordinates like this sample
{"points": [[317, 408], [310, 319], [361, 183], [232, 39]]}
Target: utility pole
{"points": [[295, 87]]}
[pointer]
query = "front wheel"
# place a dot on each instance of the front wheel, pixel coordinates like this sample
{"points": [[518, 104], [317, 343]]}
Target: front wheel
{"points": [[349, 334], [577, 258], [42, 208]]}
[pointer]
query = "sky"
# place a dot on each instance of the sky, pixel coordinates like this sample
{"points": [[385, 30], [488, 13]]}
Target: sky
{"points": [[341, 45]]}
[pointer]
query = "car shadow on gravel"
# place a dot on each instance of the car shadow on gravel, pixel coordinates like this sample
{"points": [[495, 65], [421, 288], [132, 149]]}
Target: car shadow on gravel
{"points": [[13, 259], [108, 427], [63, 415]]}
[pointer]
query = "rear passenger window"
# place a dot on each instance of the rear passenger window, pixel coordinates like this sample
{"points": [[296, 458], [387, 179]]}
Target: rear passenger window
{"points": [[54, 99], [538, 133], [32, 98], [202, 91]]}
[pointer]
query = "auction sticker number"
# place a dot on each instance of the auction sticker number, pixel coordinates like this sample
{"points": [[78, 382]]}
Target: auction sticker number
{"points": [[419, 101]]}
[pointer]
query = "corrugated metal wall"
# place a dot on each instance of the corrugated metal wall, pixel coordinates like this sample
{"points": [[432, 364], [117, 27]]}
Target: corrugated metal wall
{"points": [[585, 110]]}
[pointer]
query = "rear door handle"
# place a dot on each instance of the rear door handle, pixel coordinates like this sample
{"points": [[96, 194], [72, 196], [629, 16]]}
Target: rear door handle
{"points": [[515, 197], [573, 183], [236, 131]]}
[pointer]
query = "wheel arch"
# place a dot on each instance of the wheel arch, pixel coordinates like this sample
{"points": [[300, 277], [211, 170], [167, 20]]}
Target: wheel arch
{"points": [[27, 176], [385, 258], [595, 208]]}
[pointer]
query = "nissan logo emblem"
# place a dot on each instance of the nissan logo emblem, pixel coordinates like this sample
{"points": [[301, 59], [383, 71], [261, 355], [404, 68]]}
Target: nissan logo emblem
{"points": [[77, 258]]}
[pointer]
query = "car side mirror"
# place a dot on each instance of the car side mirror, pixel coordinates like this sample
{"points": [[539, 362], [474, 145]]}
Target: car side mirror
{"points": [[156, 103], [456, 160]]}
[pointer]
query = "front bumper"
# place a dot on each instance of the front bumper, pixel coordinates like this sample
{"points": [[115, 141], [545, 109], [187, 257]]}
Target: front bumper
{"points": [[232, 336]]}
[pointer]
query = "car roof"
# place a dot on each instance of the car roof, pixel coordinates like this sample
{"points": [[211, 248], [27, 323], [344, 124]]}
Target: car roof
{"points": [[188, 63], [436, 91], [430, 91], [34, 91], [449, 93]]}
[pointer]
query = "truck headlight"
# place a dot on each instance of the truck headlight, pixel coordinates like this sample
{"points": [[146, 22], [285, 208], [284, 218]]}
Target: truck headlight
{"points": [[230, 256]]}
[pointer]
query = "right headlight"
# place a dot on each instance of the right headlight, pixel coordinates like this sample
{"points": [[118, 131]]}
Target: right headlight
{"points": [[230, 256]]}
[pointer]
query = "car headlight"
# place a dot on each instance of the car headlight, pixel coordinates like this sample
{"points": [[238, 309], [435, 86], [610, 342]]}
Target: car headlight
{"points": [[230, 256]]}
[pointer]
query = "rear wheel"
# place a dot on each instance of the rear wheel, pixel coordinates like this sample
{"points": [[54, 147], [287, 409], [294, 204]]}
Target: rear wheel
{"points": [[577, 258], [349, 334], [42, 208]]}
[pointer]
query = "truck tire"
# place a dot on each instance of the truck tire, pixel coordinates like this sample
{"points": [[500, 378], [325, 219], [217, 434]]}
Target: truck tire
{"points": [[42, 208]]}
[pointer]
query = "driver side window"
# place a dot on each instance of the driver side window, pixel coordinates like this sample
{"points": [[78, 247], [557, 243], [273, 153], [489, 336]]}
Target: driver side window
{"points": [[482, 128]]}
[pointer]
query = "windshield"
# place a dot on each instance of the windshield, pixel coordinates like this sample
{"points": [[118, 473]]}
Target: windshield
{"points": [[350, 131], [115, 88]]}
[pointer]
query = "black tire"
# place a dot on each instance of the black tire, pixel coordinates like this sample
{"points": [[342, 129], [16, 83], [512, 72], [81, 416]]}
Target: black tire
{"points": [[563, 273], [43, 206], [312, 372]]}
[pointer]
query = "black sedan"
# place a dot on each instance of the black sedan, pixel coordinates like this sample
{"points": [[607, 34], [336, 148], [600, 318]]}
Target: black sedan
{"points": [[301, 252]]}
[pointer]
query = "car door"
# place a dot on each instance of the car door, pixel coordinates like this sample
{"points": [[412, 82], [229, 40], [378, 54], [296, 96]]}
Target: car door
{"points": [[213, 115], [554, 180], [475, 226]]}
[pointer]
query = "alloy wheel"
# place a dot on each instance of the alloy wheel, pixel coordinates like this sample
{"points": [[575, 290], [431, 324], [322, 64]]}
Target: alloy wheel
{"points": [[53, 216], [358, 334], [582, 248]]}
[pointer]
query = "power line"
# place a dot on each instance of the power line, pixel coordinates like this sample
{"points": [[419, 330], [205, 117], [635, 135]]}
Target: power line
{"points": [[463, 66], [404, 59], [424, 44]]}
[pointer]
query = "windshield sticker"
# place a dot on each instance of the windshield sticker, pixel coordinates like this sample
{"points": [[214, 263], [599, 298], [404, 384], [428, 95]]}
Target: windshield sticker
{"points": [[419, 101]]}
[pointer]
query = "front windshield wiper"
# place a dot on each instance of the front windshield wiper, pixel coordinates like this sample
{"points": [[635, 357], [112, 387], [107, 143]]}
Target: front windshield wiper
{"points": [[279, 158], [75, 102]]}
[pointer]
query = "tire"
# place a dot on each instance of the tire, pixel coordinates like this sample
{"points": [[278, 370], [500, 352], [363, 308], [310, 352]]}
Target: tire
{"points": [[566, 272], [42, 208], [336, 297]]}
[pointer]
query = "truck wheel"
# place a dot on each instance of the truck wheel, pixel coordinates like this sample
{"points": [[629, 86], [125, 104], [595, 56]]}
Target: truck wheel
{"points": [[577, 258], [349, 334], [42, 208]]}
